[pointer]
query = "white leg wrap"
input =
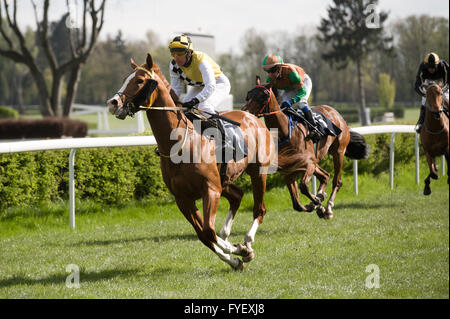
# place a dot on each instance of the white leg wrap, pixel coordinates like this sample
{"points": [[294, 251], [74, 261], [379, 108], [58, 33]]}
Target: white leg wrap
{"points": [[233, 262], [226, 229], [250, 237]]}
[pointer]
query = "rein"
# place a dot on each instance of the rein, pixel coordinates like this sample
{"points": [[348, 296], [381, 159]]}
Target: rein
{"points": [[430, 109], [266, 104]]}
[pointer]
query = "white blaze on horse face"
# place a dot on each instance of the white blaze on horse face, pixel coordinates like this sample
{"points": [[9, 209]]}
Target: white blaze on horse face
{"points": [[113, 107]]}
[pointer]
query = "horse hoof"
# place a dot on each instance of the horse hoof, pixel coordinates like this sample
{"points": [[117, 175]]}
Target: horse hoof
{"points": [[321, 196], [249, 257], [427, 191], [310, 207]]}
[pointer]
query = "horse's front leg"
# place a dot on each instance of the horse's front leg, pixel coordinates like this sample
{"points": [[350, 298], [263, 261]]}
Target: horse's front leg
{"points": [[310, 169], [433, 174], [291, 183], [234, 196]]}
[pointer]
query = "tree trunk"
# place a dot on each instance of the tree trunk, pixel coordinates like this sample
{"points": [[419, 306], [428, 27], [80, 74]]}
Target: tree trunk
{"points": [[72, 87], [56, 94], [362, 109]]}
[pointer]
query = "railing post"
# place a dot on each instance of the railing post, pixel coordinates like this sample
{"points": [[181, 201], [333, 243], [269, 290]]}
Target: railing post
{"points": [[391, 162], [355, 176], [416, 148], [72, 188]]}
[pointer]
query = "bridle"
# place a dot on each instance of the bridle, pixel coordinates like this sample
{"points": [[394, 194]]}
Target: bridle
{"points": [[265, 108], [130, 108], [437, 114]]}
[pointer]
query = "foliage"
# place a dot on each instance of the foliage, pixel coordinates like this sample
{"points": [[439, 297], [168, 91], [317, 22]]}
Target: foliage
{"points": [[8, 112], [118, 175], [386, 91], [112, 176]]}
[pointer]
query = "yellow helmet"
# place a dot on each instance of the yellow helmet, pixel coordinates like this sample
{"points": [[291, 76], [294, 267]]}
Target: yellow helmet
{"points": [[181, 43], [431, 60]]}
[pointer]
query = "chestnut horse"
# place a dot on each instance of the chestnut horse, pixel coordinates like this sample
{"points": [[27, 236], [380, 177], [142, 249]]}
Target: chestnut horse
{"points": [[434, 134], [298, 155], [192, 180]]}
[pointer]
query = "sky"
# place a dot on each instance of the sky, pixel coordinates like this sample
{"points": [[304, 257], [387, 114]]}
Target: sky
{"points": [[226, 20]]}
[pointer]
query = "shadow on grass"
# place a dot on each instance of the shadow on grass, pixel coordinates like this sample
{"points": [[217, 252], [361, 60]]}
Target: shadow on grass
{"points": [[365, 205], [155, 239], [60, 278]]}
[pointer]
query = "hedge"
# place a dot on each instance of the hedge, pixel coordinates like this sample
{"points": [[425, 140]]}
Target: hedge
{"points": [[8, 112], [117, 175]]}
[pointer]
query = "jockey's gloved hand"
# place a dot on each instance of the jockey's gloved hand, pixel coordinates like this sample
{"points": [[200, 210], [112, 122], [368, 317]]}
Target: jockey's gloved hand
{"points": [[190, 104], [287, 103]]}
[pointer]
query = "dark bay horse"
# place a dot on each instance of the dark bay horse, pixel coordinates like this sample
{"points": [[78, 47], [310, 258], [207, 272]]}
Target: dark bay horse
{"points": [[434, 134], [191, 180], [298, 155]]}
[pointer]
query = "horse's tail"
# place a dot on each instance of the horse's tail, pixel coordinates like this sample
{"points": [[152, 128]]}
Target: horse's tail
{"points": [[357, 148]]}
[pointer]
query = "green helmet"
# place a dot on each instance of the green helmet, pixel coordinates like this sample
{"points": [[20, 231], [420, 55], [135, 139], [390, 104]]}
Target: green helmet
{"points": [[271, 60]]}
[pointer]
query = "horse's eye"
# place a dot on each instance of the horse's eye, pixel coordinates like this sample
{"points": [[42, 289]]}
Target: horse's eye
{"points": [[140, 81]]}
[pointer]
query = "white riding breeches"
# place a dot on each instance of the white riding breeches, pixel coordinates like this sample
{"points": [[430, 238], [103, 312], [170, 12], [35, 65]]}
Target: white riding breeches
{"points": [[221, 92], [288, 94]]}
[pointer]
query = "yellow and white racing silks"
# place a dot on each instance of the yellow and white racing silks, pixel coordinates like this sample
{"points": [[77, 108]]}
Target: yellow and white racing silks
{"points": [[209, 84]]}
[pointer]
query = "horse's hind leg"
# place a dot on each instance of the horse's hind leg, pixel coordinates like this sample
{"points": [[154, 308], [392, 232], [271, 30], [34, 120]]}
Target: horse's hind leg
{"points": [[259, 210], [338, 160], [234, 196]]}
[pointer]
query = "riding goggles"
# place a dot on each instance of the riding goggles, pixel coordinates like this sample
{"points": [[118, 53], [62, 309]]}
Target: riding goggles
{"points": [[272, 69]]}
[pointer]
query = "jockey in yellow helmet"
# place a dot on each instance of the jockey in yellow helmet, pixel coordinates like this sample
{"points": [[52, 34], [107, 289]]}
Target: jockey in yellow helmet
{"points": [[435, 70], [294, 83], [210, 86]]}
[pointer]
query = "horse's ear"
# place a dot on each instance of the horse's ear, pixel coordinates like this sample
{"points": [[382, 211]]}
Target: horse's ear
{"points": [[133, 64], [149, 61], [258, 80]]}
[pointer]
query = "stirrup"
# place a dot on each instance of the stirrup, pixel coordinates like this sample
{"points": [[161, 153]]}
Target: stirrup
{"points": [[157, 152]]}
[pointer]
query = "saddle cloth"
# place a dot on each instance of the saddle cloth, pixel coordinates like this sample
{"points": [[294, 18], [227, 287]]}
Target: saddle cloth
{"points": [[232, 144]]}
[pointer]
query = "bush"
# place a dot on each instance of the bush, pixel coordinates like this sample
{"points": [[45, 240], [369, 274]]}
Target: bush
{"points": [[8, 112], [121, 174]]}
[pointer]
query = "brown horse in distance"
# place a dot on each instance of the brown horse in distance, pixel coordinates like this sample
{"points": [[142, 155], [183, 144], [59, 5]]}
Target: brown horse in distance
{"points": [[434, 134], [191, 180], [298, 155]]}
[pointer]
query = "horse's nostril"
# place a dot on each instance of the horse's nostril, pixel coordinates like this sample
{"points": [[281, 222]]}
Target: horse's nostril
{"points": [[114, 102]]}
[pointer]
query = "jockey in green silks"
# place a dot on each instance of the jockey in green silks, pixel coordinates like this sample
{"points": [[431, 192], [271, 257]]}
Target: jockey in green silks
{"points": [[294, 83]]}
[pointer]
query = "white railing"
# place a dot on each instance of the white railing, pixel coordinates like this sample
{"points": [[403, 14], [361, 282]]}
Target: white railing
{"points": [[76, 143], [73, 144]]}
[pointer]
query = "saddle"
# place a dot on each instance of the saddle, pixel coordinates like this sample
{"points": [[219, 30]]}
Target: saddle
{"points": [[324, 126]]}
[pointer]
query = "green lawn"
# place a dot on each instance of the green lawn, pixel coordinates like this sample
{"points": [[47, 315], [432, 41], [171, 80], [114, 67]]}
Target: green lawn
{"points": [[148, 250]]}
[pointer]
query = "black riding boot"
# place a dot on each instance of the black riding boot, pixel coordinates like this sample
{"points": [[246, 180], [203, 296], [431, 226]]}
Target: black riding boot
{"points": [[313, 135], [421, 118]]}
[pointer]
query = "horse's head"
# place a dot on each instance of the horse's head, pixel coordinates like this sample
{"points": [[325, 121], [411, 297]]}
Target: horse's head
{"points": [[138, 89], [434, 93], [260, 100]]}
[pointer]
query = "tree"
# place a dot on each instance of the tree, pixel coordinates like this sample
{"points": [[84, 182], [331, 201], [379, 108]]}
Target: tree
{"points": [[385, 90], [353, 29], [81, 42]]}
